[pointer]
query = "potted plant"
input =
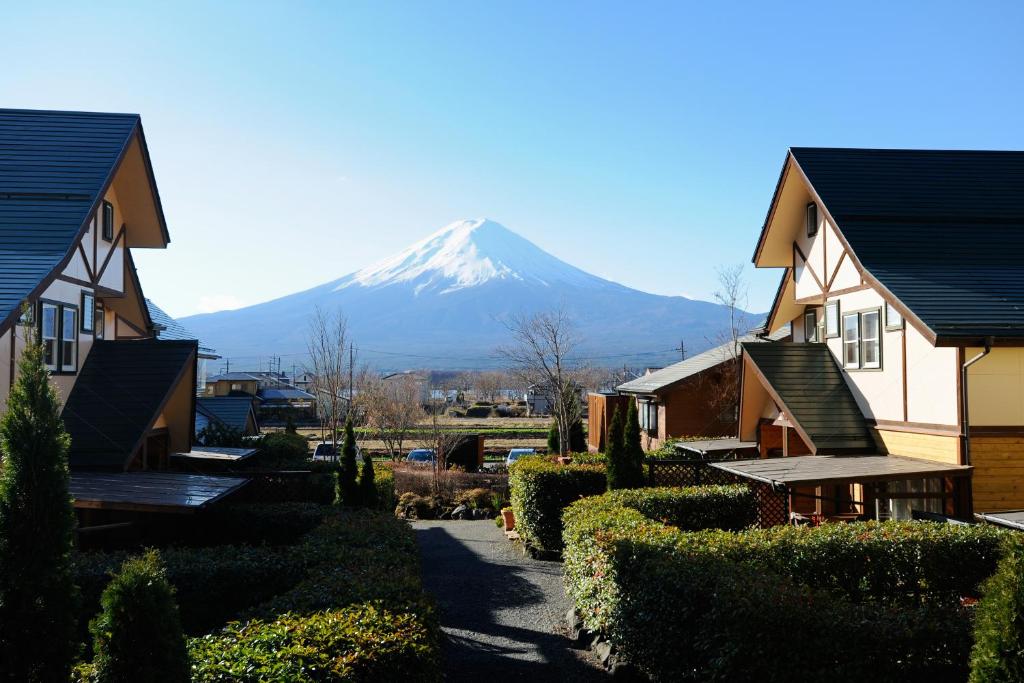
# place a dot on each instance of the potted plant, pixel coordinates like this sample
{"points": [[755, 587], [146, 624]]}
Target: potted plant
{"points": [[509, 518]]}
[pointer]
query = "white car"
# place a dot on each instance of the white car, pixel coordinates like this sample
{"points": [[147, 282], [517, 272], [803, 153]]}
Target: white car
{"points": [[517, 453]]}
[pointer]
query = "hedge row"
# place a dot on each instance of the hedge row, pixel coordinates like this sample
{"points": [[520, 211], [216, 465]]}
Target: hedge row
{"points": [[540, 490], [680, 608]]}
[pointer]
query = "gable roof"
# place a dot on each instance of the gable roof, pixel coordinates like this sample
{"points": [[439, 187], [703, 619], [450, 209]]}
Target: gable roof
{"points": [[662, 379], [54, 170], [808, 385], [231, 411], [119, 393], [941, 232], [169, 328]]}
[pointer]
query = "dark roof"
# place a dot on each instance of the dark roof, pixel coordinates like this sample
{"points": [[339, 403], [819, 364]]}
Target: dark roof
{"points": [[231, 411], [170, 329], [802, 470], [54, 167], [150, 491], [119, 392], [943, 231], [284, 394], [809, 385]]}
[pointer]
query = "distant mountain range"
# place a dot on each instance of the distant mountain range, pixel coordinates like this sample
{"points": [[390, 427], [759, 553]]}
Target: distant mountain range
{"points": [[441, 303]]}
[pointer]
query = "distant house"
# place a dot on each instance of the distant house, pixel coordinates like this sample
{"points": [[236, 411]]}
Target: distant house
{"points": [[77, 196], [902, 392], [694, 397], [234, 412], [167, 328], [539, 401], [277, 400]]}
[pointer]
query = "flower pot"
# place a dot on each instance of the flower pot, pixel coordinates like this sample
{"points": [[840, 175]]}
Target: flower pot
{"points": [[509, 518]]}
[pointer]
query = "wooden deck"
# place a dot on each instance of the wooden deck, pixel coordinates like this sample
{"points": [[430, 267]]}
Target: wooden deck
{"points": [[173, 492], [813, 470]]}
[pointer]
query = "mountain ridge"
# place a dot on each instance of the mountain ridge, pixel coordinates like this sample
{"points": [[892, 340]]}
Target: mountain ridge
{"points": [[443, 298]]}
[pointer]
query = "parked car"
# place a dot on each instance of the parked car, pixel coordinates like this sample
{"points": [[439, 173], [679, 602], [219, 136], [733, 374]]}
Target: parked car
{"points": [[517, 453], [325, 450], [422, 456]]}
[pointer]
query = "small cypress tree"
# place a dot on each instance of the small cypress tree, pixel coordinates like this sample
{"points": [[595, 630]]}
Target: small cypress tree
{"points": [[37, 593], [614, 454], [634, 451], [998, 654], [348, 470], [367, 483], [553, 440], [137, 636], [289, 426], [577, 437]]}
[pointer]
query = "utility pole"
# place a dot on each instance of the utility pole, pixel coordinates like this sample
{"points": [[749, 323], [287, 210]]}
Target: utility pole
{"points": [[682, 349]]}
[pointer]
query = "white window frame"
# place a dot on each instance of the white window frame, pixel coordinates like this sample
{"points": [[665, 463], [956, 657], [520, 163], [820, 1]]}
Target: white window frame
{"points": [[49, 339], [88, 316], [813, 336], [864, 340], [832, 315], [68, 336], [893, 318]]}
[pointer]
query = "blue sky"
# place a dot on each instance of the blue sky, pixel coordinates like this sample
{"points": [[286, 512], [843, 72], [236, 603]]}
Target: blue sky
{"points": [[639, 141]]}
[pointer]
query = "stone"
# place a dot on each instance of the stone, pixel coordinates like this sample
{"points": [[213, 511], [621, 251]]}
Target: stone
{"points": [[461, 512]]}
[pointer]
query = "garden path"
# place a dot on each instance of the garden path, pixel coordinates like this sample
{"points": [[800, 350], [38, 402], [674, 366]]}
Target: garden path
{"points": [[503, 614]]}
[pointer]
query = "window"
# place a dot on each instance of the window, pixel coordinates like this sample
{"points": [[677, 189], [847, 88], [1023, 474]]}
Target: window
{"points": [[811, 219], [88, 312], [871, 340], [648, 414], [100, 322], [831, 319], [862, 340], [69, 340], [893, 318], [48, 334], [811, 325], [236, 386], [108, 221]]}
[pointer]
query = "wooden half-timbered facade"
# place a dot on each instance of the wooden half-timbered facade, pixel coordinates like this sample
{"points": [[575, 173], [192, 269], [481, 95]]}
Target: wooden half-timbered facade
{"points": [[906, 267]]}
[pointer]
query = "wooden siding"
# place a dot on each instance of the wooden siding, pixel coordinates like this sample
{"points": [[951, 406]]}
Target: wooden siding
{"points": [[921, 446], [600, 409], [998, 472]]}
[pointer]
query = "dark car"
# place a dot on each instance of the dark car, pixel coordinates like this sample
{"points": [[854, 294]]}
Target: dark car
{"points": [[422, 456]]}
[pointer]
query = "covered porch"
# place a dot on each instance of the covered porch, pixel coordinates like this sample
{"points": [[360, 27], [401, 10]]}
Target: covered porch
{"points": [[858, 487]]}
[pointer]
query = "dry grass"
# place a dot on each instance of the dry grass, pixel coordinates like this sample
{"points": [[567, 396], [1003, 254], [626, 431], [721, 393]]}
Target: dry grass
{"points": [[448, 485]]}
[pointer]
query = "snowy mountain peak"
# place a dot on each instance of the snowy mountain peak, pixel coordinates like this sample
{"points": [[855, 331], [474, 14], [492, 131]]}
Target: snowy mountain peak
{"points": [[468, 253]]}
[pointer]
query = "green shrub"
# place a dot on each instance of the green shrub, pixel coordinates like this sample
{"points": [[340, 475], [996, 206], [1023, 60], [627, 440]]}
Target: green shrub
{"points": [[692, 508], [478, 498], [367, 483], [384, 480], [577, 438], [283, 450], [316, 486], [259, 523], [213, 584], [348, 470], [359, 643], [633, 450], [682, 608], [218, 434], [37, 595], [479, 411], [619, 470], [541, 489], [137, 636], [998, 654]]}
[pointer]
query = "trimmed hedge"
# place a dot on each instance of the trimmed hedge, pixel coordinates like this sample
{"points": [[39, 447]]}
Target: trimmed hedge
{"points": [[998, 654], [540, 490], [691, 508], [680, 607], [257, 523]]}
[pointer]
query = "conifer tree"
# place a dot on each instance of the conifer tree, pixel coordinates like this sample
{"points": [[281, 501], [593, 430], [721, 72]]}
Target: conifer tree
{"points": [[137, 636], [553, 440], [37, 594], [634, 451], [348, 470], [367, 483], [614, 454]]}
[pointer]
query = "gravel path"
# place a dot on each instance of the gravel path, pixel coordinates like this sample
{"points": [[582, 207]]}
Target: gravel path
{"points": [[503, 613]]}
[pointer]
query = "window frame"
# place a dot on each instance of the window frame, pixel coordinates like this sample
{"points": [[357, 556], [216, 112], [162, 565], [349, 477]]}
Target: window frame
{"points": [[890, 310], [87, 306], [877, 365], [813, 337], [99, 322], [64, 309], [834, 305], [53, 367], [855, 342], [58, 367], [107, 227], [860, 340], [811, 219]]}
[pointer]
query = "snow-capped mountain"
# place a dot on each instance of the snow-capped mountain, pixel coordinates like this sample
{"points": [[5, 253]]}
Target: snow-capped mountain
{"points": [[442, 302]]}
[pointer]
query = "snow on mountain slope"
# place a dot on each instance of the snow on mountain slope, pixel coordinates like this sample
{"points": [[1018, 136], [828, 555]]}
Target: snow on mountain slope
{"points": [[468, 253], [443, 301]]}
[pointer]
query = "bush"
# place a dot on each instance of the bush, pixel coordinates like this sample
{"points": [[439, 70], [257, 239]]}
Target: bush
{"points": [[137, 636], [218, 434], [359, 643], [384, 480], [478, 498], [213, 584], [37, 595], [619, 470], [368, 483], [348, 486], [681, 608], [259, 523], [693, 508], [283, 450], [577, 438], [315, 486], [541, 489], [479, 411], [998, 654], [632, 449]]}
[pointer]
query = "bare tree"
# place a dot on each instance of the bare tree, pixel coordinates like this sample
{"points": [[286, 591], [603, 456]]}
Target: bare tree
{"points": [[540, 353], [732, 293], [720, 384], [392, 407], [331, 362]]}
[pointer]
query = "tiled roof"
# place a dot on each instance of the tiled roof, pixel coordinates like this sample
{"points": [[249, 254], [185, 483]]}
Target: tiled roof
{"points": [[120, 389], [943, 231], [231, 411], [171, 329]]}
